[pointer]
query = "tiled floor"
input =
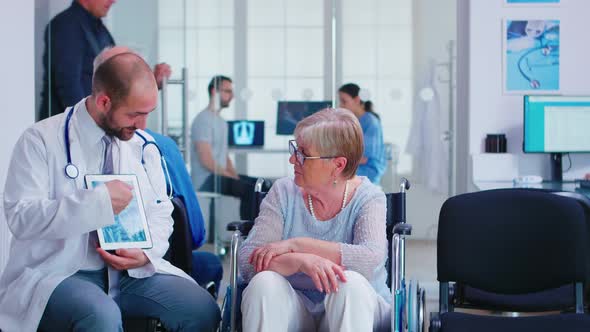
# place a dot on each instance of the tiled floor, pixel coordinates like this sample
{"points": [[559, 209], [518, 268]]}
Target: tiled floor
{"points": [[420, 265]]}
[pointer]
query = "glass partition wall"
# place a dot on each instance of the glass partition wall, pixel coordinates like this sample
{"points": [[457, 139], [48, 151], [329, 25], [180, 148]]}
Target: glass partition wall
{"points": [[400, 52]]}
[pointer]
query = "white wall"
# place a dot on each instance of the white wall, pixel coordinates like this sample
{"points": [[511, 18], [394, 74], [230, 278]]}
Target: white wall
{"points": [[17, 90], [492, 112], [45, 10]]}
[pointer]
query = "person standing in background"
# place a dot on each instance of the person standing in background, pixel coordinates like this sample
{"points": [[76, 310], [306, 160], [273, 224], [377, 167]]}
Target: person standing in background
{"points": [[73, 38], [373, 162]]}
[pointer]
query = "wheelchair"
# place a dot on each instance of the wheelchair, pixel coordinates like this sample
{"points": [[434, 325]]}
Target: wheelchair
{"points": [[408, 303]]}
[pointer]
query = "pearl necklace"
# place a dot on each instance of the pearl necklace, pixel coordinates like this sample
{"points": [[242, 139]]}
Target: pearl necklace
{"points": [[341, 208]]}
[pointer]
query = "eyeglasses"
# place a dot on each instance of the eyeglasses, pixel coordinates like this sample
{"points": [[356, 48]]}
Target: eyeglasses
{"points": [[299, 156]]}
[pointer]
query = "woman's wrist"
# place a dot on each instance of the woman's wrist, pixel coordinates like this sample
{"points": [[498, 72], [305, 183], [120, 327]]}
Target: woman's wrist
{"points": [[287, 264], [295, 245]]}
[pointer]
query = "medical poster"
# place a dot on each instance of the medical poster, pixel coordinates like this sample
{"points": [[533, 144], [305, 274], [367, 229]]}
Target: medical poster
{"points": [[531, 56]]}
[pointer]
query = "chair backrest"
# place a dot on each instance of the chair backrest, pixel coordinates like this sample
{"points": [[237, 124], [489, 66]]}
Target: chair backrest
{"points": [[511, 241], [258, 197], [179, 253]]}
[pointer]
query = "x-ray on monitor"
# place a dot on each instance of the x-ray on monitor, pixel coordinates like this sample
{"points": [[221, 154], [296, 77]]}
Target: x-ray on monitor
{"points": [[245, 133]]}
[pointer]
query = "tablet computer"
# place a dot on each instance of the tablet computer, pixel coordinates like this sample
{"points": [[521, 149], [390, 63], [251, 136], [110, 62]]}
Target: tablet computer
{"points": [[130, 229]]}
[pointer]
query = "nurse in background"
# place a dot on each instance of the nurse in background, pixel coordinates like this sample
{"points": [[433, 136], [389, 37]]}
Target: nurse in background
{"points": [[373, 162]]}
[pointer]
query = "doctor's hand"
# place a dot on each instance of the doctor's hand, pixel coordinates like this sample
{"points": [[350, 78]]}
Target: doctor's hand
{"points": [[124, 259], [120, 193]]}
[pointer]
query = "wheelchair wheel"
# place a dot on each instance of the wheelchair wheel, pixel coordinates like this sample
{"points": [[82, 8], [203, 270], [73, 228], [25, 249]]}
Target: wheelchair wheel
{"points": [[416, 302], [421, 309]]}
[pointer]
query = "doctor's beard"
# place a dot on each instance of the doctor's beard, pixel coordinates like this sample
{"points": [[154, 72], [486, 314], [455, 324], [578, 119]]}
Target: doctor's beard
{"points": [[110, 128]]}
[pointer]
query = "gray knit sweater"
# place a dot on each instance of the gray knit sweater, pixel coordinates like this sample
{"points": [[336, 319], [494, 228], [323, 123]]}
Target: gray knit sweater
{"points": [[359, 228]]}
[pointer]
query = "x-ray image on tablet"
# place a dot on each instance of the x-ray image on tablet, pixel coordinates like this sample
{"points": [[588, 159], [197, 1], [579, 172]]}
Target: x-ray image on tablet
{"points": [[130, 229]]}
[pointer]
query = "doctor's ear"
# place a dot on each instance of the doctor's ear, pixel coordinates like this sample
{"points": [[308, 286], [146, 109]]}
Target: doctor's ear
{"points": [[103, 102]]}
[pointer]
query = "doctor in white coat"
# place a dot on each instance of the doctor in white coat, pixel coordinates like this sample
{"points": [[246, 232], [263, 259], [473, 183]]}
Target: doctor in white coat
{"points": [[56, 279]]}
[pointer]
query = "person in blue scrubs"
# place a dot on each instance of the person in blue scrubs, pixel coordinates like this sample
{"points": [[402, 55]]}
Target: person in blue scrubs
{"points": [[373, 163]]}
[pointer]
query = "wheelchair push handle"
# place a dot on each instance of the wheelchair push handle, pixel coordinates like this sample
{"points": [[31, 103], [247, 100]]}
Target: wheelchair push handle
{"points": [[400, 204], [258, 185], [404, 185]]}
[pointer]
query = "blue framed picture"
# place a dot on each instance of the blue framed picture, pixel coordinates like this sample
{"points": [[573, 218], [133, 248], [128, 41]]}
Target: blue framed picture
{"points": [[531, 56]]}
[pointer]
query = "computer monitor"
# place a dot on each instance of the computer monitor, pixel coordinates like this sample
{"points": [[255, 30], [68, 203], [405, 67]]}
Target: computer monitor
{"points": [[245, 133], [556, 125], [289, 113]]}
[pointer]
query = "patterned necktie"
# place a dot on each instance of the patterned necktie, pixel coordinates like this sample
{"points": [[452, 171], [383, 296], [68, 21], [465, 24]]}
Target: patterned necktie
{"points": [[107, 166]]}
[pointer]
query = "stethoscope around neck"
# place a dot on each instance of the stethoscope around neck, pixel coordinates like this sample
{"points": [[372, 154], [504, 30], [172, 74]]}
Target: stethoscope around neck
{"points": [[72, 171]]}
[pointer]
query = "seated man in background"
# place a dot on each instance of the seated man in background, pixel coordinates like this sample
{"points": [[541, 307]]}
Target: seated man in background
{"points": [[212, 169], [57, 279]]}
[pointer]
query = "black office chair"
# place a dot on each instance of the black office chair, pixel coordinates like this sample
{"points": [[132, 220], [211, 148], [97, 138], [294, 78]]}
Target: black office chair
{"points": [[511, 242], [548, 300], [179, 253], [397, 229]]}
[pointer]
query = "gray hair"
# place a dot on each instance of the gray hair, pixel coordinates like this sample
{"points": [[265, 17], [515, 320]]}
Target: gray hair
{"points": [[334, 132]]}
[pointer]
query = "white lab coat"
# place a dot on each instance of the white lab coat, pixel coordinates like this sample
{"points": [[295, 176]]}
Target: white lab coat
{"points": [[425, 144], [50, 217]]}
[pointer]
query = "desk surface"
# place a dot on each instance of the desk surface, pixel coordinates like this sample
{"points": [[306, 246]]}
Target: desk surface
{"points": [[557, 186]]}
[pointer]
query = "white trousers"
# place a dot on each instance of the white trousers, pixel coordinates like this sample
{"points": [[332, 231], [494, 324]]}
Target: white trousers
{"points": [[269, 303]]}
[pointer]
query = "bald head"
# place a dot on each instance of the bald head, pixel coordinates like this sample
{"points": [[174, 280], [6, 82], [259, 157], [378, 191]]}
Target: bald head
{"points": [[120, 73], [108, 53]]}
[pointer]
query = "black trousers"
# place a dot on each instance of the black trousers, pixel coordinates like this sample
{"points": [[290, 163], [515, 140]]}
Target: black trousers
{"points": [[242, 188]]}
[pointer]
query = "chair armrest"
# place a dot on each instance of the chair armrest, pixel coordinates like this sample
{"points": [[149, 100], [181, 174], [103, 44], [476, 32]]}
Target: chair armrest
{"points": [[244, 226], [435, 323]]}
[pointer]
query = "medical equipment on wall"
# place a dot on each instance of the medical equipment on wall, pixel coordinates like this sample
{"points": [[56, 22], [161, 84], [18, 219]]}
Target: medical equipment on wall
{"points": [[72, 172]]}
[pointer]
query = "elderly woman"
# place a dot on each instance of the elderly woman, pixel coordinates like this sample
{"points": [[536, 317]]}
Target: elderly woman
{"points": [[315, 259]]}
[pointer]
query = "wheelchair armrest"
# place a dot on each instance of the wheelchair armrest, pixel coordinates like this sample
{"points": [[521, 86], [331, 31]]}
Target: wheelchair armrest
{"points": [[244, 226], [402, 229]]}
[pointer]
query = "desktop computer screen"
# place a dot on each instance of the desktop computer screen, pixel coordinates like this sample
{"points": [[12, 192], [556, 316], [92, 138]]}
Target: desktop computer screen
{"points": [[245, 133], [556, 124], [289, 113]]}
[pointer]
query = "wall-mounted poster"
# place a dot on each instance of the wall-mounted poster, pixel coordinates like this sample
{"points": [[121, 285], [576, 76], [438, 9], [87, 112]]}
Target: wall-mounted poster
{"points": [[532, 1], [531, 56]]}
